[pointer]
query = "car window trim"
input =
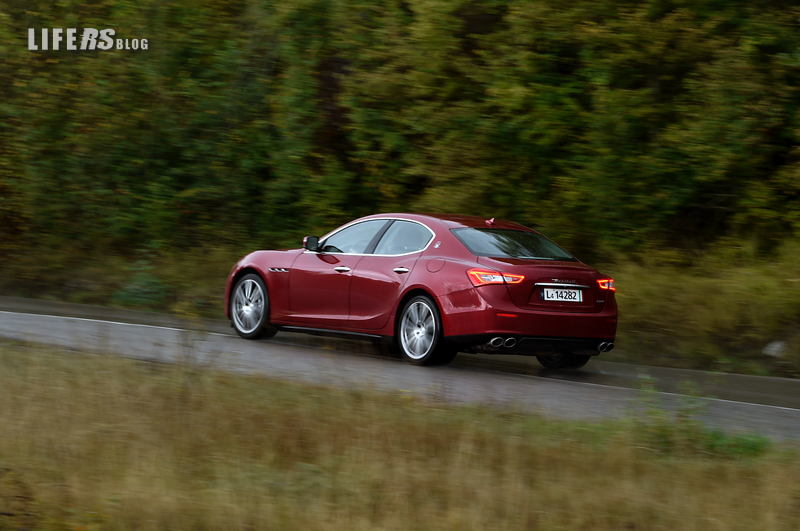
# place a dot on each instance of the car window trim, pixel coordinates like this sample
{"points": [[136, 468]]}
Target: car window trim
{"points": [[433, 235], [324, 240], [336, 231], [378, 237]]}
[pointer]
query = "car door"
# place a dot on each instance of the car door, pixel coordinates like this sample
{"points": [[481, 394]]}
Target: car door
{"points": [[319, 282], [378, 278]]}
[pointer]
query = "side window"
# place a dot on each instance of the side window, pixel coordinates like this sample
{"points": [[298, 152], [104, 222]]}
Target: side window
{"points": [[404, 237], [354, 239]]}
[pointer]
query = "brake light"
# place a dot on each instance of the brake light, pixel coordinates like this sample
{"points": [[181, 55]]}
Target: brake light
{"points": [[479, 277], [606, 283], [511, 278]]}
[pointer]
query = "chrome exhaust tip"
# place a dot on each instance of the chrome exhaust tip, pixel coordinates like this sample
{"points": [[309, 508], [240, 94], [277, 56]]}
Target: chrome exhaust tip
{"points": [[605, 346], [496, 342], [510, 342]]}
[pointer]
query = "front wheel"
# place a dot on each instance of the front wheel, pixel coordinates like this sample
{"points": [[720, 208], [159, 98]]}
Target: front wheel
{"points": [[419, 334], [563, 360], [249, 306]]}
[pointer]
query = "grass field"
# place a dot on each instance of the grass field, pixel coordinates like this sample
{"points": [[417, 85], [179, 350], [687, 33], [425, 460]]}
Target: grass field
{"points": [[94, 442]]}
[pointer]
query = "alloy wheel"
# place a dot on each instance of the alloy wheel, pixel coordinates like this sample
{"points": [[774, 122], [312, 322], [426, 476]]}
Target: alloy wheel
{"points": [[417, 330], [248, 305]]}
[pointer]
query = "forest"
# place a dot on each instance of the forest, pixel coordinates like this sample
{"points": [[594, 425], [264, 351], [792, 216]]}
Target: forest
{"points": [[657, 139]]}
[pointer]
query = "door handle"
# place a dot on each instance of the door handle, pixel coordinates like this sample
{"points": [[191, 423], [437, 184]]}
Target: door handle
{"points": [[342, 269], [400, 270]]}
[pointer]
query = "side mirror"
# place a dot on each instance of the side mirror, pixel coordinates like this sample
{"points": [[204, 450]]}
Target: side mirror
{"points": [[311, 243]]}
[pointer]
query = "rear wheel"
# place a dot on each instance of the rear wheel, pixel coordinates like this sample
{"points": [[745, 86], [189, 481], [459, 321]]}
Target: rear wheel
{"points": [[563, 360], [249, 306], [419, 334]]}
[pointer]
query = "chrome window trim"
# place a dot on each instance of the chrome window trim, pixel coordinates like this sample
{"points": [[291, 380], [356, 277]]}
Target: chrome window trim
{"points": [[355, 222], [428, 244]]}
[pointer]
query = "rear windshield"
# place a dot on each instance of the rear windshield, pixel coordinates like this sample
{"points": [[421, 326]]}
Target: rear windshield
{"points": [[509, 243]]}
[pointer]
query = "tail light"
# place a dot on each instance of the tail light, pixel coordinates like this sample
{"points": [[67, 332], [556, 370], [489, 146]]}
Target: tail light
{"points": [[606, 283], [479, 277]]}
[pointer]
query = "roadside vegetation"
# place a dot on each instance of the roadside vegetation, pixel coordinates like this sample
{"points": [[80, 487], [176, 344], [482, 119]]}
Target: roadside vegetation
{"points": [[657, 137], [94, 442], [728, 309]]}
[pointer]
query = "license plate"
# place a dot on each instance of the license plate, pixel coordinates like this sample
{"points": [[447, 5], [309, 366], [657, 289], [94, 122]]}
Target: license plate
{"points": [[563, 295]]}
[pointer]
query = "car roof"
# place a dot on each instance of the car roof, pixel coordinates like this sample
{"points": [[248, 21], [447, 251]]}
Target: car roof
{"points": [[454, 221]]}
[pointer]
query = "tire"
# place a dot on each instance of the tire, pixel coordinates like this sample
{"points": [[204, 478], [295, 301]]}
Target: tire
{"points": [[249, 307], [563, 360], [418, 334]]}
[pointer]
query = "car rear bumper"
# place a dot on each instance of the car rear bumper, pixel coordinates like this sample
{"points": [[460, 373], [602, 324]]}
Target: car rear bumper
{"points": [[469, 313], [529, 345]]}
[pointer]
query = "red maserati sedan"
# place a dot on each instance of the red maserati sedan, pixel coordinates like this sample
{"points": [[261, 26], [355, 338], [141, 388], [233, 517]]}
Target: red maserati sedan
{"points": [[431, 286]]}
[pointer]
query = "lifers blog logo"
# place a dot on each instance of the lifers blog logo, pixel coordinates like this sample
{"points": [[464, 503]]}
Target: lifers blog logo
{"points": [[88, 39]]}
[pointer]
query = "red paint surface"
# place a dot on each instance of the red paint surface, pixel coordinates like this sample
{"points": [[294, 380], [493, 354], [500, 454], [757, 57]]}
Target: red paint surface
{"points": [[367, 298]]}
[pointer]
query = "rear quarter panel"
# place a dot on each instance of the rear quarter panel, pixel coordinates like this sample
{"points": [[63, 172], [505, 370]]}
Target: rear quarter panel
{"points": [[441, 272]]}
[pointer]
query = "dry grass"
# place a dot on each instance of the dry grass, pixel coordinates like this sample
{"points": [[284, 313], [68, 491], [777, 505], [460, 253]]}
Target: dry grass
{"points": [[715, 311], [93, 442]]}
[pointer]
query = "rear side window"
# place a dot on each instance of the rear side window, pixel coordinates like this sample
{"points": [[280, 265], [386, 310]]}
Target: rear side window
{"points": [[404, 237], [354, 239], [509, 243]]}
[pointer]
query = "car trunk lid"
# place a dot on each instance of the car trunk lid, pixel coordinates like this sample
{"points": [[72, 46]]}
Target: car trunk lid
{"points": [[548, 281]]}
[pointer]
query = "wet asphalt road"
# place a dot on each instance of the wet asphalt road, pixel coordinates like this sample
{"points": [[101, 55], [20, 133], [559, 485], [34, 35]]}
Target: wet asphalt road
{"points": [[769, 406]]}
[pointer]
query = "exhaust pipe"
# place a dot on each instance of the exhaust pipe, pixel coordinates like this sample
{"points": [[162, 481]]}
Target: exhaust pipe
{"points": [[496, 342], [605, 346], [510, 342]]}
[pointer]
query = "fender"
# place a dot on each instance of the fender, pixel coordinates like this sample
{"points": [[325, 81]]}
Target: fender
{"points": [[272, 267]]}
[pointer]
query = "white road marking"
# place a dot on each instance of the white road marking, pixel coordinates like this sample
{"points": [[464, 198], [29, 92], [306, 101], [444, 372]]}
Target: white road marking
{"points": [[529, 376], [98, 321], [606, 386]]}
